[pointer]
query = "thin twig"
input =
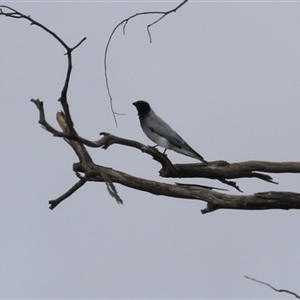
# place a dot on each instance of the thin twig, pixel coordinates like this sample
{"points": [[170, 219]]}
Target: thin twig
{"points": [[124, 23], [277, 290], [13, 13], [79, 43], [16, 14]]}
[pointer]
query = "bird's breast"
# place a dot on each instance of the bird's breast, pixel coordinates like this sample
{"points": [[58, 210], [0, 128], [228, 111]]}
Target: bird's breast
{"points": [[156, 138]]}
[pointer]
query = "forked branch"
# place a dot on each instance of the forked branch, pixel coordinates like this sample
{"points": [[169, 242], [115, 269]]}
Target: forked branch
{"points": [[13, 13], [223, 171], [87, 170]]}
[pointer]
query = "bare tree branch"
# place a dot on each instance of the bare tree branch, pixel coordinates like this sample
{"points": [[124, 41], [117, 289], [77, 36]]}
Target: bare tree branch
{"points": [[12, 13], [73, 189], [277, 290], [124, 23], [77, 147], [222, 172], [87, 170], [215, 200]]}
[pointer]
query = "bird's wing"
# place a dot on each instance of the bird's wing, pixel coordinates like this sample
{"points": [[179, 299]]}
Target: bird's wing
{"points": [[160, 127]]}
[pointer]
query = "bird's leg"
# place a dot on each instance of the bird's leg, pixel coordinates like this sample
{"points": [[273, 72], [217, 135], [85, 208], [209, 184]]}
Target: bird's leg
{"points": [[155, 146]]}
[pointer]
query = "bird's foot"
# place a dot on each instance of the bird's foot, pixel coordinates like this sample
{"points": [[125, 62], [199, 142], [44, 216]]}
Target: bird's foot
{"points": [[154, 147]]}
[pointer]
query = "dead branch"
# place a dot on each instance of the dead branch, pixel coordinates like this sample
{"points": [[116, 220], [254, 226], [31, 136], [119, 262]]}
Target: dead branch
{"points": [[87, 170], [124, 23], [215, 200], [223, 171], [277, 290], [73, 189], [12, 13]]}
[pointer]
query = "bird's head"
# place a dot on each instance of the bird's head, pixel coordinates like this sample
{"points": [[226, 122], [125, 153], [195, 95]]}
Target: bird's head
{"points": [[142, 107]]}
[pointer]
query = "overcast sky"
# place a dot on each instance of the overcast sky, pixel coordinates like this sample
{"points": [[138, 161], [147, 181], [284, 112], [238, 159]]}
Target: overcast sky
{"points": [[225, 75]]}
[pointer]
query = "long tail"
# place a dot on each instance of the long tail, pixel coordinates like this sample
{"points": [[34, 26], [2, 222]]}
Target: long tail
{"points": [[207, 163], [192, 153], [203, 160]]}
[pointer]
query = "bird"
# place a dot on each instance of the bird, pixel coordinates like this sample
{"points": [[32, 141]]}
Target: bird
{"points": [[158, 131]]}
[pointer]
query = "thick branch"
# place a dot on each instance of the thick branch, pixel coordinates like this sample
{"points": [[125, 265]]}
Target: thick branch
{"points": [[222, 172], [247, 169], [167, 167], [215, 200]]}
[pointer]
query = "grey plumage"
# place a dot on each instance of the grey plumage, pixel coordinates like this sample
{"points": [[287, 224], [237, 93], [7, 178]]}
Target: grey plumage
{"points": [[158, 131]]}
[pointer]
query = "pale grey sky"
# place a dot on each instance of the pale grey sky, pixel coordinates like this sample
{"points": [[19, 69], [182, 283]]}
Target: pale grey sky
{"points": [[224, 75]]}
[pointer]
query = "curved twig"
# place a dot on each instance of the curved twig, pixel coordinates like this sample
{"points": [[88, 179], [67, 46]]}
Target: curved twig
{"points": [[277, 290], [124, 23]]}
